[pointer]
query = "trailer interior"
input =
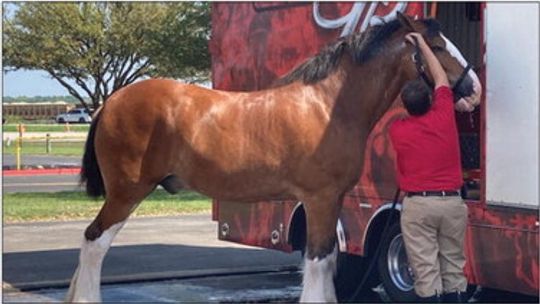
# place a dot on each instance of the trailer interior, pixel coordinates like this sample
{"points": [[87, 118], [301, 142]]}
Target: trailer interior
{"points": [[461, 23]]}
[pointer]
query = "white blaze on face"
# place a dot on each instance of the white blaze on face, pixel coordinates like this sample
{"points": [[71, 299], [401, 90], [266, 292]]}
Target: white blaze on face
{"points": [[477, 87]]}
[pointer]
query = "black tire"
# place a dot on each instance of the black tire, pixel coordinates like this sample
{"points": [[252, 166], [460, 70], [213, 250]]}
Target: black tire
{"points": [[351, 270], [394, 271], [61, 120], [81, 120]]}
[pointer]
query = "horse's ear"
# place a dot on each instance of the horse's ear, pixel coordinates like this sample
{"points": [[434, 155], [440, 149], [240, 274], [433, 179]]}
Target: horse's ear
{"points": [[405, 21]]}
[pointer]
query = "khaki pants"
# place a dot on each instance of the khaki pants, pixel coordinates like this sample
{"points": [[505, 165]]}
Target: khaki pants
{"points": [[433, 231]]}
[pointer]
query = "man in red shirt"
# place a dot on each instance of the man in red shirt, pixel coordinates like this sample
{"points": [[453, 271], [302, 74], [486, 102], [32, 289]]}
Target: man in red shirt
{"points": [[434, 216]]}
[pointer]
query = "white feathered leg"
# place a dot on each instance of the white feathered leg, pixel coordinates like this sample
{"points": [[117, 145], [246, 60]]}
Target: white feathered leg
{"points": [[85, 284], [318, 279]]}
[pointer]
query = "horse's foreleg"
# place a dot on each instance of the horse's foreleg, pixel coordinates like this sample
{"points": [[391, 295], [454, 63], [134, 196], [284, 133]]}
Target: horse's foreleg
{"points": [[85, 284], [321, 254]]}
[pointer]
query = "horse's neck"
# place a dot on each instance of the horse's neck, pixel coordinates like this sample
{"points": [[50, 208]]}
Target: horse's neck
{"points": [[362, 94]]}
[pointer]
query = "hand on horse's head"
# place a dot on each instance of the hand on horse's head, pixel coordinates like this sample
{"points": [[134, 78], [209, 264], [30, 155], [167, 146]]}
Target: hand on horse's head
{"points": [[415, 38], [463, 105]]}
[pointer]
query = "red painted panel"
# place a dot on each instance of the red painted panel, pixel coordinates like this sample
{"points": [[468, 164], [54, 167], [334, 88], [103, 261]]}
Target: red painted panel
{"points": [[254, 43], [503, 248], [253, 223]]}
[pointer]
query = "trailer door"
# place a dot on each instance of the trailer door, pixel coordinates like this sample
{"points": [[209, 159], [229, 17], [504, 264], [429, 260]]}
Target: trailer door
{"points": [[512, 106]]}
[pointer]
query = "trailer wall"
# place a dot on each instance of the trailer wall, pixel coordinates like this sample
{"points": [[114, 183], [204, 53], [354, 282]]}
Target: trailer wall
{"points": [[512, 111]]}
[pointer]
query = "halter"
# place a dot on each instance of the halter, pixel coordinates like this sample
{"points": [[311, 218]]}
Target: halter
{"points": [[417, 58]]}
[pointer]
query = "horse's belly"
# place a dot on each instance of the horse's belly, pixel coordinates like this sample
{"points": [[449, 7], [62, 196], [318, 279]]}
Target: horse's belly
{"points": [[239, 186]]}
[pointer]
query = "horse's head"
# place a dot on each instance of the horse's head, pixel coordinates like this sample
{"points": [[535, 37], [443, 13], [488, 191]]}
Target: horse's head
{"points": [[463, 79]]}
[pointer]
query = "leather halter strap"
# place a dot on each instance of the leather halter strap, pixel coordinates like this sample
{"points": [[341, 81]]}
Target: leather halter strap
{"points": [[457, 95], [417, 58]]}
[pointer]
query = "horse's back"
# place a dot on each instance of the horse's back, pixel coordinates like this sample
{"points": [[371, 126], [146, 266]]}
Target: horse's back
{"points": [[141, 106], [153, 95]]}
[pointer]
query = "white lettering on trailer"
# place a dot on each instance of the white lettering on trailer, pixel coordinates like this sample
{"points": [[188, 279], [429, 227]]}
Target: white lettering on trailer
{"points": [[350, 21]]}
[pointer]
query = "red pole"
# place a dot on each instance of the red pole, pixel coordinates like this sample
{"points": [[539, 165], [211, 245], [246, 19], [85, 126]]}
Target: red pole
{"points": [[433, 10]]}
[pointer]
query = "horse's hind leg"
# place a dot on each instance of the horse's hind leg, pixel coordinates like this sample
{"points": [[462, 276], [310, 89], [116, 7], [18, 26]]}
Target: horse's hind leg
{"points": [[320, 259], [119, 203]]}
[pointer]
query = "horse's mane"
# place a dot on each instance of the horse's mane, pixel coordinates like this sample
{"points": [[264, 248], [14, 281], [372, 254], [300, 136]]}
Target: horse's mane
{"points": [[361, 46]]}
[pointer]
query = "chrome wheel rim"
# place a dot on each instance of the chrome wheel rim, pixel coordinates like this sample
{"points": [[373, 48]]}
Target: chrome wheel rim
{"points": [[398, 265]]}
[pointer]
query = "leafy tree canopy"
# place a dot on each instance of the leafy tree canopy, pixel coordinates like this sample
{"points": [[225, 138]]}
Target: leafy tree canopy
{"points": [[103, 46]]}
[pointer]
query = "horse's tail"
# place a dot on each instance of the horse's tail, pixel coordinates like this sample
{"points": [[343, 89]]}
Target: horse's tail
{"points": [[90, 172]]}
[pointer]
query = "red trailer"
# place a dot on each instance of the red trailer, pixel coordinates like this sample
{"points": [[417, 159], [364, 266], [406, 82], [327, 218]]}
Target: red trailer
{"points": [[254, 43]]}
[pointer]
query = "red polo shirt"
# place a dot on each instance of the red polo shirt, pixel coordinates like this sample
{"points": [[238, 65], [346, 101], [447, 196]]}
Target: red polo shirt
{"points": [[427, 147]]}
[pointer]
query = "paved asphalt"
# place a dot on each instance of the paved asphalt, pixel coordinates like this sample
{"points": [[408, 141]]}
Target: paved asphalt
{"points": [[48, 251], [44, 255], [43, 160], [41, 183]]}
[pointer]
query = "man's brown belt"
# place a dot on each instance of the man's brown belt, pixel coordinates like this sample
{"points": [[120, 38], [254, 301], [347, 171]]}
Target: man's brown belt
{"points": [[434, 193]]}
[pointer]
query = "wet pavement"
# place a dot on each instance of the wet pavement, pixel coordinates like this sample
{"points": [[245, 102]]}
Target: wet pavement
{"points": [[265, 287]]}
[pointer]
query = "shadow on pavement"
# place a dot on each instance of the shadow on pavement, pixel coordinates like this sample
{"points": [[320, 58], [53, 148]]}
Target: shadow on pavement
{"points": [[54, 268]]}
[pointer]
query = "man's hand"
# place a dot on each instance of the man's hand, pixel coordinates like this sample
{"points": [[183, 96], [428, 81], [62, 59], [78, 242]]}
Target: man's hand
{"points": [[463, 105], [410, 37], [434, 66]]}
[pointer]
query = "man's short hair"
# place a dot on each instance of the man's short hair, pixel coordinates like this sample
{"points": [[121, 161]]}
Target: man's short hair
{"points": [[416, 96]]}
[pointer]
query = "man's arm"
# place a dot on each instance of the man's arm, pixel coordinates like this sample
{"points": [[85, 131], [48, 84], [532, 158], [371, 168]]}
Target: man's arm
{"points": [[437, 71], [434, 66]]}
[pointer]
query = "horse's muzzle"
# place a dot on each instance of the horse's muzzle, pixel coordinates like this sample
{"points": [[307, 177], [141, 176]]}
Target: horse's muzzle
{"points": [[464, 89]]}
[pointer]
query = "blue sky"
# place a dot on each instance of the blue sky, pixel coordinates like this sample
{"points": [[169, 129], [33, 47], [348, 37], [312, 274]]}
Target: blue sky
{"points": [[30, 83]]}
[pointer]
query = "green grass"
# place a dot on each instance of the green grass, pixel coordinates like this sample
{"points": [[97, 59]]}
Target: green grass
{"points": [[47, 128], [39, 148], [61, 206]]}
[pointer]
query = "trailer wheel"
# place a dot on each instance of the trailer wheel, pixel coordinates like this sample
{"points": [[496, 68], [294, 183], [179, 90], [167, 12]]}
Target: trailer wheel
{"points": [[396, 276], [350, 272]]}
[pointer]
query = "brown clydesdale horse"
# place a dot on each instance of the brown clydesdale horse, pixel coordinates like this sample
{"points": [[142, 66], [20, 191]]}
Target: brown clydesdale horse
{"points": [[304, 139]]}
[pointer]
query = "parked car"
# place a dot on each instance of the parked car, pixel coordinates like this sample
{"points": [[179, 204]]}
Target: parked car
{"points": [[76, 115]]}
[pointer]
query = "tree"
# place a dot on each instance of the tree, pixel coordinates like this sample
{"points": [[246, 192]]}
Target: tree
{"points": [[103, 46]]}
